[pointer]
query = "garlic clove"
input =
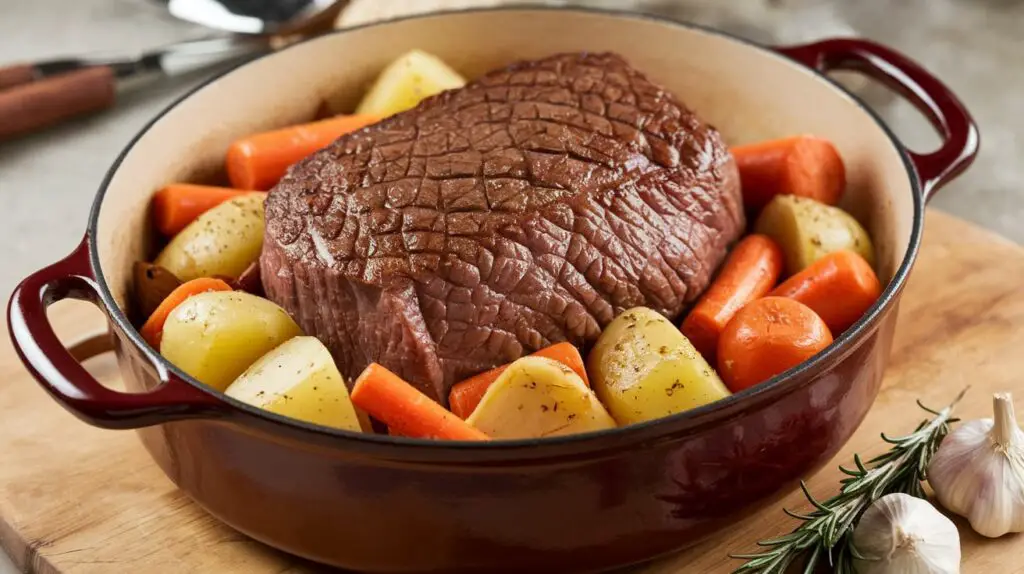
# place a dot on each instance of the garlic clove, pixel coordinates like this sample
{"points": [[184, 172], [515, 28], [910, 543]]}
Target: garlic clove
{"points": [[903, 534], [978, 472]]}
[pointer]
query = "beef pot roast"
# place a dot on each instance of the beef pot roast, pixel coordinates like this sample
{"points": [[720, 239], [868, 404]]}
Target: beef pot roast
{"points": [[527, 208]]}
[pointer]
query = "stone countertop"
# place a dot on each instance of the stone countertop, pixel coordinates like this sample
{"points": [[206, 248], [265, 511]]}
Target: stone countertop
{"points": [[47, 181]]}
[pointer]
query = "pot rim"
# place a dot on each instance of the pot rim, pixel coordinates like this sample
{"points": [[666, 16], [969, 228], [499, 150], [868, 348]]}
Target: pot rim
{"points": [[605, 440]]}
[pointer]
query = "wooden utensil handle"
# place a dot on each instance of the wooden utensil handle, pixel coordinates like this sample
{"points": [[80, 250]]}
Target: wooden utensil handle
{"points": [[16, 75], [33, 106]]}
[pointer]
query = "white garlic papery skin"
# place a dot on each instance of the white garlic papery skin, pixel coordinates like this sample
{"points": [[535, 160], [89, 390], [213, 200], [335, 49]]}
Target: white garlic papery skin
{"points": [[903, 534], [978, 472]]}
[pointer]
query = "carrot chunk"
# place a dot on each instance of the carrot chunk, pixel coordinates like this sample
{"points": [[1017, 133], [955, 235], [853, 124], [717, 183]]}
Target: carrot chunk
{"points": [[838, 287], [178, 204], [767, 337], [405, 410], [805, 166], [259, 161], [749, 273]]}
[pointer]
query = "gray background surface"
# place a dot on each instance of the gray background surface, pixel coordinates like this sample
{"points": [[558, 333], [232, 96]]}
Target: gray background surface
{"points": [[47, 181]]}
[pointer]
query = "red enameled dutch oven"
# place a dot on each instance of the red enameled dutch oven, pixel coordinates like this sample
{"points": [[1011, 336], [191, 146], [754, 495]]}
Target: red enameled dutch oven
{"points": [[586, 502]]}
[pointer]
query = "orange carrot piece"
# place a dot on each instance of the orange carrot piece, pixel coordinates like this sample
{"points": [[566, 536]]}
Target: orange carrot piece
{"points": [[153, 330], [405, 410], [767, 337], [805, 166], [838, 287], [466, 395], [749, 273], [178, 204], [259, 161]]}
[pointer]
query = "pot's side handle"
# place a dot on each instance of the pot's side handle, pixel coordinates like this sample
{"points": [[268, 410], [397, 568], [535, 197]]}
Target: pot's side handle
{"points": [[942, 108], [61, 374]]}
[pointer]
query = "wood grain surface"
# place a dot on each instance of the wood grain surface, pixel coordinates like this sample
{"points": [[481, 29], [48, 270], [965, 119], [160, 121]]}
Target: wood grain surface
{"points": [[78, 499]]}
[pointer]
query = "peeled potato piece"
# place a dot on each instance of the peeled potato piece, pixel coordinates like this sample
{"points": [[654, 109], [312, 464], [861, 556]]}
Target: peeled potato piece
{"points": [[215, 336], [222, 241], [642, 368], [412, 77], [538, 397], [298, 379], [808, 230]]}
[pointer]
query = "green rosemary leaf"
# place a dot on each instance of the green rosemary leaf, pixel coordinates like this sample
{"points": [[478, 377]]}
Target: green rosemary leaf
{"points": [[796, 515], [827, 529], [847, 524], [896, 440], [810, 497], [859, 463], [751, 557], [812, 560], [778, 541], [853, 473], [844, 565]]}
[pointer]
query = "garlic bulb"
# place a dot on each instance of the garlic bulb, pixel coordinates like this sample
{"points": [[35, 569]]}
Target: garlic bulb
{"points": [[903, 534], [978, 472]]}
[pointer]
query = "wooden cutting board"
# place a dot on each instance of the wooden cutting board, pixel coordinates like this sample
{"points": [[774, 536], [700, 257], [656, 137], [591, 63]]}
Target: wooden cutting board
{"points": [[78, 499]]}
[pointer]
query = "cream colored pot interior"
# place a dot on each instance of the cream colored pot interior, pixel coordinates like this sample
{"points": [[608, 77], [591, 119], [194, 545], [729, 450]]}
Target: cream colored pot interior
{"points": [[747, 93]]}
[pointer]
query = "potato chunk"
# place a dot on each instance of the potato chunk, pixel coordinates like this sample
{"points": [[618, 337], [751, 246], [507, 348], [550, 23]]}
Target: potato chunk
{"points": [[223, 241], [298, 379], [412, 77], [642, 368], [215, 336], [538, 397], [808, 230]]}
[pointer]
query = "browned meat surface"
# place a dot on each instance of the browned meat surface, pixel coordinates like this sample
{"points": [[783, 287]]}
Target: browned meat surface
{"points": [[527, 208]]}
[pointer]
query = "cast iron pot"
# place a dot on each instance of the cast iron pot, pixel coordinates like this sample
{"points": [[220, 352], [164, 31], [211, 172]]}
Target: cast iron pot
{"points": [[385, 504]]}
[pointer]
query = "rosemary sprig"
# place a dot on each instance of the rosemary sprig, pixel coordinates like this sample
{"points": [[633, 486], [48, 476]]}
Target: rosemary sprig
{"points": [[826, 531]]}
